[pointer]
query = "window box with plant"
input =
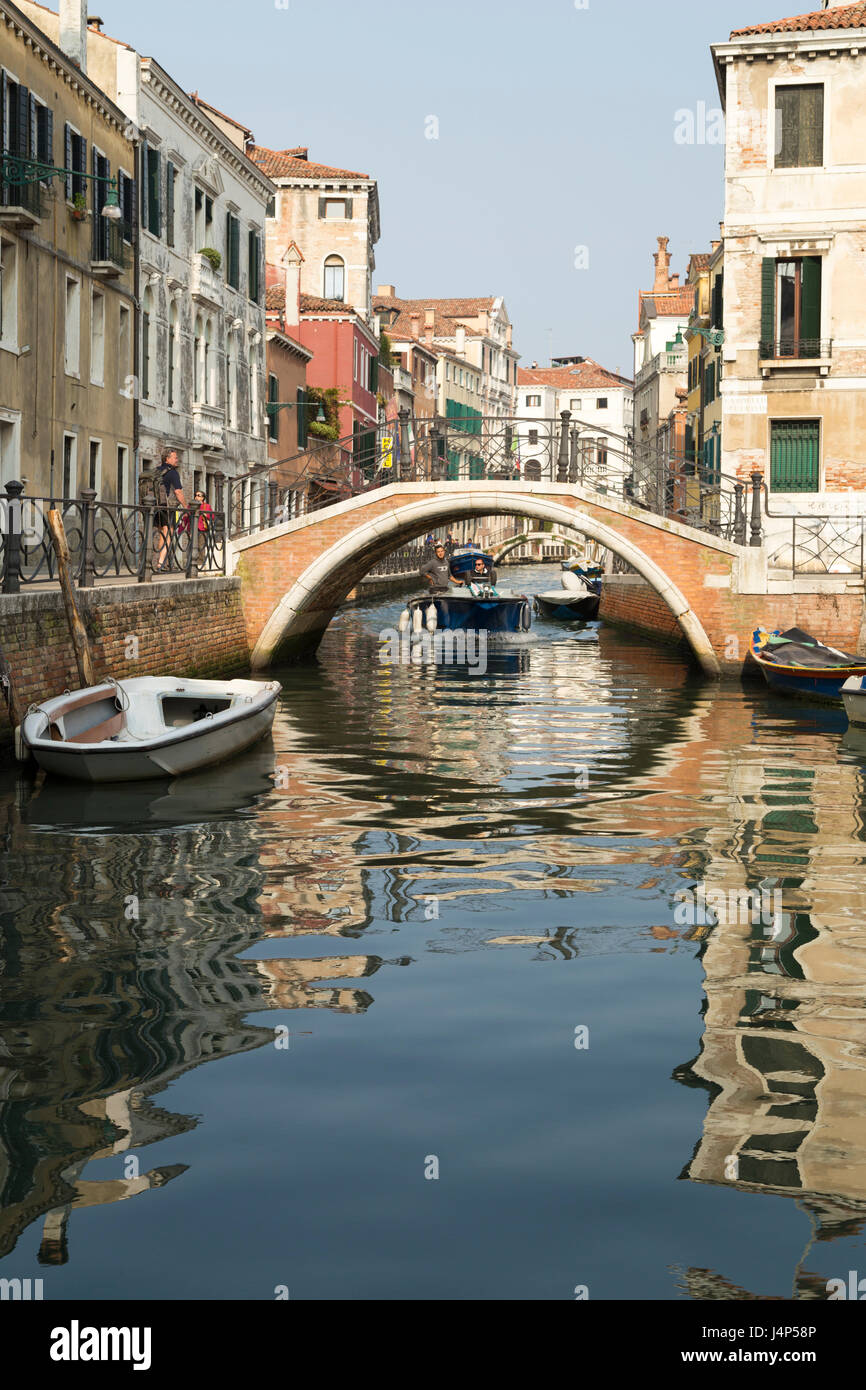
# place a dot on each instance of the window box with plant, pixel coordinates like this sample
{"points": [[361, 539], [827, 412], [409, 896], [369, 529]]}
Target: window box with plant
{"points": [[323, 400], [212, 256], [79, 210]]}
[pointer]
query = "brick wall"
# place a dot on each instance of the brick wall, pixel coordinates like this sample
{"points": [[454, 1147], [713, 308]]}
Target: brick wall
{"points": [[194, 628], [628, 601]]}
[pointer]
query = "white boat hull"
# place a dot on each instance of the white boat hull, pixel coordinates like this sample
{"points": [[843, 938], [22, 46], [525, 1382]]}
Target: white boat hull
{"points": [[854, 699], [146, 748]]}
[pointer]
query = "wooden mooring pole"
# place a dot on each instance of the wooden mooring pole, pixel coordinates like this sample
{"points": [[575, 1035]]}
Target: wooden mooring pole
{"points": [[77, 630]]}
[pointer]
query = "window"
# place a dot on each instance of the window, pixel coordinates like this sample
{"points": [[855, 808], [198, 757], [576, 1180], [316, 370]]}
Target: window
{"points": [[10, 452], [255, 429], [170, 191], [273, 416], [8, 296], [575, 405], [102, 245], [72, 350], [151, 212], [76, 160], [254, 261], [233, 251], [795, 455], [44, 134], [146, 343], [791, 307], [70, 465], [271, 209], [123, 349], [301, 411], [173, 357], [601, 454], [335, 209], [198, 364], [122, 489], [126, 198], [209, 365], [232, 379], [532, 401], [533, 436], [601, 403], [800, 126], [335, 279], [97, 338], [94, 472], [354, 359]]}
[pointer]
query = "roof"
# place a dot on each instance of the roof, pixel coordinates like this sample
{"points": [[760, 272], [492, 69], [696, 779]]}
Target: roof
{"points": [[275, 297], [443, 308], [314, 304], [294, 164], [408, 326], [208, 106], [838, 17], [587, 374], [699, 260]]}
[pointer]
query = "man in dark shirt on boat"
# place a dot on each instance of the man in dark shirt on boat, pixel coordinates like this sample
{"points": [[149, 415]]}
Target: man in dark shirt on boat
{"points": [[437, 571]]}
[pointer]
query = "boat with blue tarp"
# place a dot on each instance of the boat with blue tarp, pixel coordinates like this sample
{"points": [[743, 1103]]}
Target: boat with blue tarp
{"points": [[795, 663]]}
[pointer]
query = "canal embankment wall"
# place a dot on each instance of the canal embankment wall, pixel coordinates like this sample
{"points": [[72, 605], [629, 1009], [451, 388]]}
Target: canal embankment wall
{"points": [[194, 628]]}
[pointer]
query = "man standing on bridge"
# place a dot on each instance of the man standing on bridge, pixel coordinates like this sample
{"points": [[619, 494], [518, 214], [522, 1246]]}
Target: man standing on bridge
{"points": [[437, 571]]}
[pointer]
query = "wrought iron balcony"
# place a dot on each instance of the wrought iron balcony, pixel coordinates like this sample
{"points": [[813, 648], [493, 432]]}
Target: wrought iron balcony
{"points": [[798, 350], [110, 247], [21, 203]]}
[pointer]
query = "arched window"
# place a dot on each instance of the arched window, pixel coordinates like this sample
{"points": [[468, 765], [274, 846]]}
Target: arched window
{"points": [[232, 379], [198, 359], [209, 364], [147, 332], [255, 423], [335, 278], [174, 358]]}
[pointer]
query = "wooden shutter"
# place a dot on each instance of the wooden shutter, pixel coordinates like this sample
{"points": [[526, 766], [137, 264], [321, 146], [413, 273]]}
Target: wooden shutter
{"points": [[717, 303], [34, 128], [67, 146], [810, 306], [47, 151], [322, 209], [22, 122], [4, 89], [301, 412], [234, 250], [794, 455], [349, 205], [154, 210], [145, 209], [768, 306]]}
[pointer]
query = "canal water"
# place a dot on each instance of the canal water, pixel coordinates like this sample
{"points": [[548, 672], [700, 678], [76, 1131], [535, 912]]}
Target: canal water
{"points": [[421, 1000]]}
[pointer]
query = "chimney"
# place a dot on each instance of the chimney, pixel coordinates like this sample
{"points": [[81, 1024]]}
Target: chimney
{"points": [[73, 31], [292, 260], [674, 281], [714, 245], [460, 341], [387, 291], [508, 332], [662, 264], [415, 318]]}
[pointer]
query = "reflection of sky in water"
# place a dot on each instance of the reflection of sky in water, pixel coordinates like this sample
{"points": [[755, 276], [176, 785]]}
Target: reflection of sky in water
{"points": [[459, 872]]}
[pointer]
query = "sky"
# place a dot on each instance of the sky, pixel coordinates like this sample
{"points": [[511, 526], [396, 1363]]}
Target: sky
{"points": [[530, 150]]}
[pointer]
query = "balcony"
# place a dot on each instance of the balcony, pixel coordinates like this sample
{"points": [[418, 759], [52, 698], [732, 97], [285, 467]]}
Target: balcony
{"points": [[675, 360], [21, 204], [208, 430], [815, 354], [111, 251], [206, 284]]}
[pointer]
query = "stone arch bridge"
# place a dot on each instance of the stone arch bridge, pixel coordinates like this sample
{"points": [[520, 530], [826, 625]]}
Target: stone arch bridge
{"points": [[296, 574]]}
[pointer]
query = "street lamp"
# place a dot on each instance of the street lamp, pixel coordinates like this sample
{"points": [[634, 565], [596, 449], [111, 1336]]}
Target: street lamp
{"points": [[19, 170], [111, 207]]}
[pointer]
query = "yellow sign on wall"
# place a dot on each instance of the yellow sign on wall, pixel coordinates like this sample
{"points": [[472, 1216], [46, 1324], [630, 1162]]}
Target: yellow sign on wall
{"points": [[387, 451]]}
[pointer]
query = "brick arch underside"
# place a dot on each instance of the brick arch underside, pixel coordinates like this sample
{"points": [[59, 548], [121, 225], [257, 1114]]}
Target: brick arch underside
{"points": [[300, 619]]}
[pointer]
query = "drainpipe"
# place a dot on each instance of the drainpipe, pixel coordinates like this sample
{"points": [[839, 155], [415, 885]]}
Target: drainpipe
{"points": [[136, 322]]}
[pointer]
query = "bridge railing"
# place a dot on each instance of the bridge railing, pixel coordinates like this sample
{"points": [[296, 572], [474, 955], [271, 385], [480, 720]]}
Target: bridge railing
{"points": [[516, 450], [106, 540]]}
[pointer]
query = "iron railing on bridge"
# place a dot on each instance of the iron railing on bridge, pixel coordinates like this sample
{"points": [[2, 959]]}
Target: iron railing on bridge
{"points": [[106, 540], [511, 449]]}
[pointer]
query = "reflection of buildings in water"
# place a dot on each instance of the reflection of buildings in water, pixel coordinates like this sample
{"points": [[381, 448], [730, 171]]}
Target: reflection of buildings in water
{"points": [[783, 1054], [121, 972]]}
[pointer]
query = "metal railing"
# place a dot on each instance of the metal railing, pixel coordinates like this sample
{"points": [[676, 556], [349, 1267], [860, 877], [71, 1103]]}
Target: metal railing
{"points": [[512, 449], [106, 540], [407, 560], [779, 348]]}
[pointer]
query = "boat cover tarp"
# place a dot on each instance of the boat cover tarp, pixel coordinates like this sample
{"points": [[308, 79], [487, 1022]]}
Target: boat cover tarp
{"points": [[797, 648]]}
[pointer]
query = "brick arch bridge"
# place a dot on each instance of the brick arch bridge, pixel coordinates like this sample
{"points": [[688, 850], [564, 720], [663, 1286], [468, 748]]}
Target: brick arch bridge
{"points": [[295, 575]]}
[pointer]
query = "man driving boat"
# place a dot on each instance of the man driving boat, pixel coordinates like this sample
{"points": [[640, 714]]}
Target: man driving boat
{"points": [[437, 571]]}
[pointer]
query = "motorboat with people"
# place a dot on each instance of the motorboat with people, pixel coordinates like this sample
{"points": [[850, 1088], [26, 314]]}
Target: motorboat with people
{"points": [[148, 726], [795, 663], [464, 595], [579, 596]]}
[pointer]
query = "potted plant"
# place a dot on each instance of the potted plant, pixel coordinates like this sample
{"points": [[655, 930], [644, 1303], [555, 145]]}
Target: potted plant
{"points": [[212, 256], [79, 207]]}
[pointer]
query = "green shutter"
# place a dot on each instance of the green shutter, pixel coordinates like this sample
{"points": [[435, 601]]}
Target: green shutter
{"points": [[794, 455], [233, 249], [768, 307], [169, 203], [142, 183], [301, 412], [810, 306]]}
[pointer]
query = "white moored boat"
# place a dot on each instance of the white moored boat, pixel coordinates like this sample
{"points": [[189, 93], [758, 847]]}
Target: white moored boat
{"points": [[148, 726], [854, 699]]}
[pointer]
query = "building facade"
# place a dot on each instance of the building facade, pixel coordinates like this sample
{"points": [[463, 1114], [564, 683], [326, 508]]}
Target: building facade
{"points": [[67, 293], [600, 405], [794, 389], [661, 372]]}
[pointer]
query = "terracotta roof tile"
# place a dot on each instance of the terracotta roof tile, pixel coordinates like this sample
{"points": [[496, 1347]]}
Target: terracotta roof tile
{"points": [[314, 304], [209, 106], [586, 375], [275, 298], [838, 17], [293, 164]]}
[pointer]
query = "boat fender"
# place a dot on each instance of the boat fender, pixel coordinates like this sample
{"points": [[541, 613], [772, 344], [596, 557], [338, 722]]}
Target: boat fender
{"points": [[417, 619], [431, 621], [525, 617], [405, 621]]}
